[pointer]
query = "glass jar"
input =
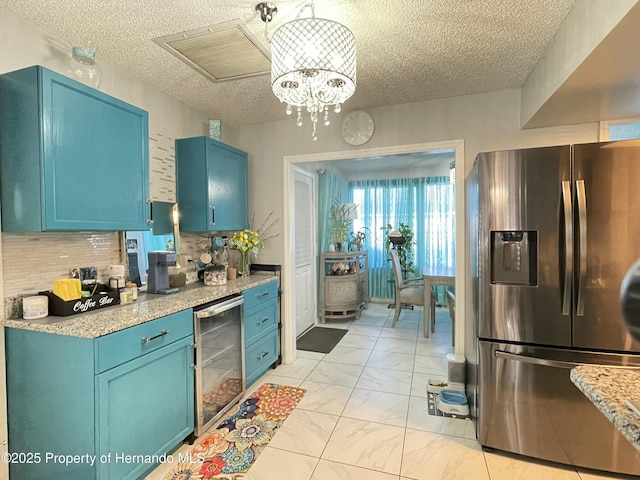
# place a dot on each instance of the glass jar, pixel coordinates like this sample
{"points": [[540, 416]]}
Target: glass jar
{"points": [[215, 275]]}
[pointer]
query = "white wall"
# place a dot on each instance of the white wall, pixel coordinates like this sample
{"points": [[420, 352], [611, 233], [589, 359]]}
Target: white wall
{"points": [[24, 45], [588, 23], [483, 122]]}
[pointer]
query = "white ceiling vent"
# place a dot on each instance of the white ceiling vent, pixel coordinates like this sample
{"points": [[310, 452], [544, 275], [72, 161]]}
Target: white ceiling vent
{"points": [[222, 52]]}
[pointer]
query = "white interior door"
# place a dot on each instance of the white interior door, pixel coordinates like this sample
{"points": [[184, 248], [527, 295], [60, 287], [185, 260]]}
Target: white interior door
{"points": [[304, 291]]}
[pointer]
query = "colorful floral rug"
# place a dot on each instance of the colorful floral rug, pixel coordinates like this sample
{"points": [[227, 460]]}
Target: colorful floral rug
{"points": [[229, 451]]}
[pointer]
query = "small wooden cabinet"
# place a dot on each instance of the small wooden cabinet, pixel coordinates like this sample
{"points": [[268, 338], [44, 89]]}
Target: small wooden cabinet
{"points": [[72, 158], [345, 284], [127, 393], [212, 186], [261, 342]]}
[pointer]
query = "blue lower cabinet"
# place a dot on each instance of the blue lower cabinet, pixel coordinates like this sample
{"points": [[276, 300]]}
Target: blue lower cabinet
{"points": [[261, 355], [142, 408], [75, 420], [261, 336]]}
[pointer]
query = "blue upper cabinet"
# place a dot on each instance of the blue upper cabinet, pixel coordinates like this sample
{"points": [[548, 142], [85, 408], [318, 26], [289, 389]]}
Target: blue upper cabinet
{"points": [[72, 158], [211, 185]]}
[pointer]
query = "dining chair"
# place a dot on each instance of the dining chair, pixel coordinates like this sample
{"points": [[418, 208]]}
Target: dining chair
{"points": [[451, 301], [411, 292]]}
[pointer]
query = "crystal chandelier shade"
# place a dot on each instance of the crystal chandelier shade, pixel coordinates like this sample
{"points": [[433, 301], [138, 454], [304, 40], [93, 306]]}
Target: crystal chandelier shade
{"points": [[313, 66]]}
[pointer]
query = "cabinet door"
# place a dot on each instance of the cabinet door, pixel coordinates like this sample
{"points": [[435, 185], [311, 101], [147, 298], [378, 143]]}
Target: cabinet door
{"points": [[96, 159], [144, 407], [212, 185], [261, 355], [257, 321], [227, 175], [73, 158]]}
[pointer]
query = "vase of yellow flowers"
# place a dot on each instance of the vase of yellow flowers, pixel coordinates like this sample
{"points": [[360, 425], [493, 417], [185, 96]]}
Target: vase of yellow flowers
{"points": [[246, 242]]}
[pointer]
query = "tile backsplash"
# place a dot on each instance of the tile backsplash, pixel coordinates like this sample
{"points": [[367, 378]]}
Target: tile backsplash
{"points": [[32, 261], [162, 168]]}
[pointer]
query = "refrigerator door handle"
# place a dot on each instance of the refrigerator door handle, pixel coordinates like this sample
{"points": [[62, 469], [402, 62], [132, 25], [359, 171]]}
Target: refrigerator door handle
{"points": [[547, 362], [568, 247], [582, 229]]}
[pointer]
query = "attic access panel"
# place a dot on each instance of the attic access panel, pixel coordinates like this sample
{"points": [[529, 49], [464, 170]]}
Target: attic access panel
{"points": [[221, 52]]}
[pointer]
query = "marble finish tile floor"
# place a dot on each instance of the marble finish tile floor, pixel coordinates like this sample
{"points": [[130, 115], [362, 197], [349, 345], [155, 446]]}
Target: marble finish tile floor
{"points": [[364, 416]]}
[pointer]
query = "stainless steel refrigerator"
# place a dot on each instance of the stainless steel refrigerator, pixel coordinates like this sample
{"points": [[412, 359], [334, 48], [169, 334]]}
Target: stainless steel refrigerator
{"points": [[557, 228]]}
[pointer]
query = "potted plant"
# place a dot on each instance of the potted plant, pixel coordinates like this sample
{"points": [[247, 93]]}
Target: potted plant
{"points": [[340, 216], [246, 242], [357, 239], [403, 246]]}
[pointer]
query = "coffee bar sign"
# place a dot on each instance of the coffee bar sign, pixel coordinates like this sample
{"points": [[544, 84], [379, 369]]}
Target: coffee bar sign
{"points": [[89, 303], [62, 308]]}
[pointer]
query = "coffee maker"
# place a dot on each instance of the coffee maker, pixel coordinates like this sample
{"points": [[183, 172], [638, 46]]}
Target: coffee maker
{"points": [[159, 263]]}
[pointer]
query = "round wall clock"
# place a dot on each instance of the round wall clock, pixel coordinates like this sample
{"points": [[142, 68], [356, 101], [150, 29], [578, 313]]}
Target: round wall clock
{"points": [[357, 128]]}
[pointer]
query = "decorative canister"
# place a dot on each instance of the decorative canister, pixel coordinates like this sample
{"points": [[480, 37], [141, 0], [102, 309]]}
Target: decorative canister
{"points": [[35, 307], [215, 275]]}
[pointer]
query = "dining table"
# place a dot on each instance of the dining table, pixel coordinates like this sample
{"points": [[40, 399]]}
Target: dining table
{"points": [[435, 275]]}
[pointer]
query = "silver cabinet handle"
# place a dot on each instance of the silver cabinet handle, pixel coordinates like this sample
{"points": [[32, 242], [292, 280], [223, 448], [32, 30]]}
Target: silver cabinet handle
{"points": [[146, 340], [262, 355], [582, 228], [260, 322], [219, 307], [262, 294], [213, 215], [568, 248]]}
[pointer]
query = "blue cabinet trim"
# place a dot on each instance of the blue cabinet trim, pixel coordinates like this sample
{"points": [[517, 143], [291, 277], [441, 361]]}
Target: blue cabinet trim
{"points": [[73, 158]]}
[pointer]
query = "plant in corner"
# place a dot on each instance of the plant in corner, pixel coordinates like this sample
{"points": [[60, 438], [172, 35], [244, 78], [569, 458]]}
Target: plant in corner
{"points": [[340, 215], [405, 249]]}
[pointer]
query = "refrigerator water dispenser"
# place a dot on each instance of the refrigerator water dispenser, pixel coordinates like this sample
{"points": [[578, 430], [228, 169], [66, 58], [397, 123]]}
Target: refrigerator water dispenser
{"points": [[514, 257]]}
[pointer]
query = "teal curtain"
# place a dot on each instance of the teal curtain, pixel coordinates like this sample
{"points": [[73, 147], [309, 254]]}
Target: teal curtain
{"points": [[330, 187], [426, 204]]}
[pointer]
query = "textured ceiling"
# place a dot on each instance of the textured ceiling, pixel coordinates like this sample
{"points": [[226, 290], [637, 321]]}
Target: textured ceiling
{"points": [[407, 50]]}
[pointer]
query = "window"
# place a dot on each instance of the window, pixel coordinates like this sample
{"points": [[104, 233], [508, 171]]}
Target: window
{"points": [[426, 204], [628, 130]]}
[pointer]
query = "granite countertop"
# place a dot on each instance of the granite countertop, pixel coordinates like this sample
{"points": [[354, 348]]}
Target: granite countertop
{"points": [[147, 307], [609, 389]]}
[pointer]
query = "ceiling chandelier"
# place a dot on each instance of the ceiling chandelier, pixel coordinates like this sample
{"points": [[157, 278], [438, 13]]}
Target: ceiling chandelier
{"points": [[313, 65]]}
